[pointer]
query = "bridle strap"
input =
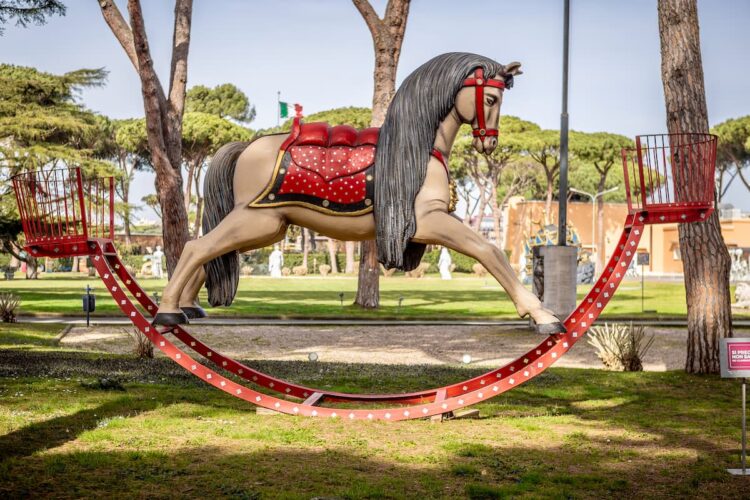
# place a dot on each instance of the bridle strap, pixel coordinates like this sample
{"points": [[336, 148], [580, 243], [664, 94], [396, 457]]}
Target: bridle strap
{"points": [[479, 83]]}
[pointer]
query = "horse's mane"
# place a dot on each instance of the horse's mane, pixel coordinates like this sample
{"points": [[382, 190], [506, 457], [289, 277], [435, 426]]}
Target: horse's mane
{"points": [[404, 147]]}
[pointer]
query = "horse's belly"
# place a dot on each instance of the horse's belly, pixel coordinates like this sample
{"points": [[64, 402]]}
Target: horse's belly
{"points": [[352, 228]]}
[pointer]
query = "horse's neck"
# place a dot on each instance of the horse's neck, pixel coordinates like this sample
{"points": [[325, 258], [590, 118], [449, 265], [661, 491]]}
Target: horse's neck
{"points": [[446, 133]]}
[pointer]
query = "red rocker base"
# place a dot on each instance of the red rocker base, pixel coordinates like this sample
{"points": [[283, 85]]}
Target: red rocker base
{"points": [[60, 221]]}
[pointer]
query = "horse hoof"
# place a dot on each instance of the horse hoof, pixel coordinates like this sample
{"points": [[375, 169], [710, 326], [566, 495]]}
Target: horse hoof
{"points": [[550, 328], [169, 319], [194, 312]]}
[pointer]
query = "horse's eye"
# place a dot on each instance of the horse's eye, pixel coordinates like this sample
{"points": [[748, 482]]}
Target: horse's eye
{"points": [[490, 100]]}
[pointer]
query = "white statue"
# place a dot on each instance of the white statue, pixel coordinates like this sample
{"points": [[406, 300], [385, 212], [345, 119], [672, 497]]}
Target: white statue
{"points": [[742, 295], [522, 275], [444, 264], [156, 259], [275, 262]]}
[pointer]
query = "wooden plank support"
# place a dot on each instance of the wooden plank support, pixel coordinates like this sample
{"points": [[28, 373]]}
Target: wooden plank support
{"points": [[440, 396], [315, 399]]}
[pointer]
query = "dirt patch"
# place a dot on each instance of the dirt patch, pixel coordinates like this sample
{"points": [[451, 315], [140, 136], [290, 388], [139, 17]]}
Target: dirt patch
{"points": [[487, 345]]}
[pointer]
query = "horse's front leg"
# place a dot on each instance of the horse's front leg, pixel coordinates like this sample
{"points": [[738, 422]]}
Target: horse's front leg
{"points": [[439, 227]]}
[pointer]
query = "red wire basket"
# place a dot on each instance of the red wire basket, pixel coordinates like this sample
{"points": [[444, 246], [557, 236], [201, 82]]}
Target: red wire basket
{"points": [[670, 177], [61, 211]]}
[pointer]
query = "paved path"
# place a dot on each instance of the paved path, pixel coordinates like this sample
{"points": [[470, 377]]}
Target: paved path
{"points": [[228, 321], [488, 346]]}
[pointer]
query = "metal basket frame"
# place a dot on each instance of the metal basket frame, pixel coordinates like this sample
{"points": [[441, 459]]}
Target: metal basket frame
{"points": [[61, 210], [670, 177]]}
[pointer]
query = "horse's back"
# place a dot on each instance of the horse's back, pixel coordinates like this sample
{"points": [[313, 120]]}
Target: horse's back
{"points": [[323, 168]]}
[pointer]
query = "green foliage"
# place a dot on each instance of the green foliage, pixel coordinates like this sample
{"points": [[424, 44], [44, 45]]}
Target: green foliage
{"points": [[597, 158], [203, 134], [734, 140], [40, 122], [258, 259], [43, 127], [733, 153], [463, 263], [225, 101], [152, 201], [26, 12], [356, 117]]}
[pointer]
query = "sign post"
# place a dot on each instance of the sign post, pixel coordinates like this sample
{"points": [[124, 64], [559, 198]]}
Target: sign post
{"points": [[735, 363], [643, 260]]}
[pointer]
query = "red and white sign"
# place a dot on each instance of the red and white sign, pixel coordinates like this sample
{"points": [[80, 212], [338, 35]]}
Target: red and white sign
{"points": [[735, 357]]}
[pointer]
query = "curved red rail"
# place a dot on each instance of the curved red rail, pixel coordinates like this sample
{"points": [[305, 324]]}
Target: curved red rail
{"points": [[668, 178], [417, 404]]}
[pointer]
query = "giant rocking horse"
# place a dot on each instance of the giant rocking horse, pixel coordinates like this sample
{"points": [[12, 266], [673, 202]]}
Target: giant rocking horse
{"points": [[392, 185]]}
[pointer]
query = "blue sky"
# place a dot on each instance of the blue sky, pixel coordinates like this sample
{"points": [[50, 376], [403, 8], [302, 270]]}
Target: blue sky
{"points": [[319, 53]]}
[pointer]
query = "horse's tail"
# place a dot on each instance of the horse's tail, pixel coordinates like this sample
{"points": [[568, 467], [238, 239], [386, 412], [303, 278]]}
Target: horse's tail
{"points": [[222, 273]]}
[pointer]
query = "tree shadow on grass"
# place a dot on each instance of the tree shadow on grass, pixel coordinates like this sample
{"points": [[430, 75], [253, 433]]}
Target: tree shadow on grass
{"points": [[59, 430], [697, 415], [673, 410], [298, 470]]}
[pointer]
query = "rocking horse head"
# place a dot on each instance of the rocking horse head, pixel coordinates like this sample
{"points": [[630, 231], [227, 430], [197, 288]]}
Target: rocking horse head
{"points": [[468, 84]]}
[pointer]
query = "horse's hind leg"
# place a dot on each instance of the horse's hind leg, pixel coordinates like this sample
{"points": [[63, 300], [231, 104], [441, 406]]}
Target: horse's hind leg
{"points": [[242, 228], [189, 298], [438, 227]]}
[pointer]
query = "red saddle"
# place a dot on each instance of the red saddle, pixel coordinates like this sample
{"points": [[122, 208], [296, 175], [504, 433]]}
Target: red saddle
{"points": [[325, 168]]}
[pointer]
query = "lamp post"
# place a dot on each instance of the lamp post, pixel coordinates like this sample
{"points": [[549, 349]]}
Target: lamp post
{"points": [[555, 266], [593, 213]]}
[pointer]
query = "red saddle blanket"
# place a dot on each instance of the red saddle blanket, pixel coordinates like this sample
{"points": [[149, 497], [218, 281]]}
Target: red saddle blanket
{"points": [[325, 168]]}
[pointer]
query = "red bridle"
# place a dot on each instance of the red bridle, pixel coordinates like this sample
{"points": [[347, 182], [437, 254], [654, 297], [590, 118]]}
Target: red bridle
{"points": [[479, 83]]}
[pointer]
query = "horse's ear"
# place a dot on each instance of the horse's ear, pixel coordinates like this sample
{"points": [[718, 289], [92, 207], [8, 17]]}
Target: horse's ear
{"points": [[513, 68]]}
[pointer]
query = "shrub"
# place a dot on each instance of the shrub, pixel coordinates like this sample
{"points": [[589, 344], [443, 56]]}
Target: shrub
{"points": [[258, 260], [142, 346], [61, 265], [621, 347], [462, 262], [9, 302]]}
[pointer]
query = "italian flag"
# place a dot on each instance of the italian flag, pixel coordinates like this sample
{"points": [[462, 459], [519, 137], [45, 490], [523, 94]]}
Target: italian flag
{"points": [[284, 108]]}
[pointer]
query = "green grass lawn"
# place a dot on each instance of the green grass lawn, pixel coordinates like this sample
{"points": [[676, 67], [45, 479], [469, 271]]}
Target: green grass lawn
{"points": [[567, 434], [316, 297]]}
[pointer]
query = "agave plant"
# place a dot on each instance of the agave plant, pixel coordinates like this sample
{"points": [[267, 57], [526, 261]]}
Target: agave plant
{"points": [[621, 347], [9, 302]]}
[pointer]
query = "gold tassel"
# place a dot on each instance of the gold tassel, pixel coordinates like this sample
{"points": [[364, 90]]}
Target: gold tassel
{"points": [[453, 197]]}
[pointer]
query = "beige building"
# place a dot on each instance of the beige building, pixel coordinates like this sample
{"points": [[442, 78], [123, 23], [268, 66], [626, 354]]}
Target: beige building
{"points": [[660, 241]]}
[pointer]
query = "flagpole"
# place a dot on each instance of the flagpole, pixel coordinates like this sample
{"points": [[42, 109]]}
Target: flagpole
{"points": [[278, 108]]}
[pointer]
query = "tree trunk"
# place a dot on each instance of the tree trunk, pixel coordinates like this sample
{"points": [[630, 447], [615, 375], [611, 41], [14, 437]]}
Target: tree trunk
{"points": [[189, 185], [477, 226], [126, 209], [305, 245], [332, 256], [495, 217], [174, 219], [198, 217], [349, 247], [705, 257], [368, 288], [163, 111], [198, 201], [387, 38], [32, 268]]}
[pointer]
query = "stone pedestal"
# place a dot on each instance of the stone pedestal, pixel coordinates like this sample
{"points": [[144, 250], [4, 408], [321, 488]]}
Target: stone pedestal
{"points": [[554, 278]]}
